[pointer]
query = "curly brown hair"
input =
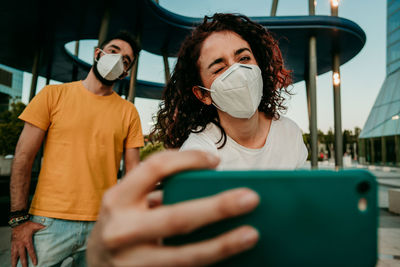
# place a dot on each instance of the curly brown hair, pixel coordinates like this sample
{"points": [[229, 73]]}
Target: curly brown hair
{"points": [[181, 113]]}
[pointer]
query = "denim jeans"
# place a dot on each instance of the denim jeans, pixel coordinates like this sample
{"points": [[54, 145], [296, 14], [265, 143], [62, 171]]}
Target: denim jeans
{"points": [[59, 241]]}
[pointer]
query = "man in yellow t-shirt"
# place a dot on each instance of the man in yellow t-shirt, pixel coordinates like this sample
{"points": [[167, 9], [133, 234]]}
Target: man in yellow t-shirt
{"points": [[87, 128]]}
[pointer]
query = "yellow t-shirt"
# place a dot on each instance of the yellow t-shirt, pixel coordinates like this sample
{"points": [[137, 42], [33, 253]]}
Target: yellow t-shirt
{"points": [[86, 136]]}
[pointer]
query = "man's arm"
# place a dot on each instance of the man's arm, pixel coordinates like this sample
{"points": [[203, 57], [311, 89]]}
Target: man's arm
{"points": [[128, 228], [131, 158], [28, 145]]}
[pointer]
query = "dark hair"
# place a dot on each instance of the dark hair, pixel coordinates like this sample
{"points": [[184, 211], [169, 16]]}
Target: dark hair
{"points": [[127, 37], [181, 113]]}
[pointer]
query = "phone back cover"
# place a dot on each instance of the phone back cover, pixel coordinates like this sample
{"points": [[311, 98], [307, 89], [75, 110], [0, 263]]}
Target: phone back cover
{"points": [[305, 218]]}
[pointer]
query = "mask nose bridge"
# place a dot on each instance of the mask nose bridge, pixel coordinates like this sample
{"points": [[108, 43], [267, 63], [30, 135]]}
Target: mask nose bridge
{"points": [[229, 71], [233, 68]]}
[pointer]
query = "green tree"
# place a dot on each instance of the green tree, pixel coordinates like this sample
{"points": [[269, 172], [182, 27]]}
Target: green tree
{"points": [[151, 145], [357, 131], [330, 142], [10, 128], [150, 148]]}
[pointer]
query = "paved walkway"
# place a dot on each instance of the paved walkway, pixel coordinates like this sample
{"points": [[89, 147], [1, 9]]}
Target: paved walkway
{"points": [[389, 223], [386, 175], [388, 241]]}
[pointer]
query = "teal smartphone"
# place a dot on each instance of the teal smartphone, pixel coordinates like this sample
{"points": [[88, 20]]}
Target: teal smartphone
{"points": [[305, 218]]}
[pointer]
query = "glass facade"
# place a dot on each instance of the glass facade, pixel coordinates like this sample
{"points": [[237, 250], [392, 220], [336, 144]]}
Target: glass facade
{"points": [[13, 92], [393, 21], [393, 36], [394, 53], [380, 137], [393, 6], [393, 67]]}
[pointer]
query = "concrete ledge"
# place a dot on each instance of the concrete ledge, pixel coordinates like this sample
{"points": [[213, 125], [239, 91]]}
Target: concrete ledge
{"points": [[394, 200], [5, 166]]}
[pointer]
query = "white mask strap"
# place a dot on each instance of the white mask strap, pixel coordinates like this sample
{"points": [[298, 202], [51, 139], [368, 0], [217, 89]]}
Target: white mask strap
{"points": [[215, 105], [101, 51], [210, 90], [212, 102]]}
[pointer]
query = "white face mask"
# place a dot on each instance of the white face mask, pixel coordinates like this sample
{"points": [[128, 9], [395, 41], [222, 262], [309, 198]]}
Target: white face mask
{"points": [[238, 91], [110, 66]]}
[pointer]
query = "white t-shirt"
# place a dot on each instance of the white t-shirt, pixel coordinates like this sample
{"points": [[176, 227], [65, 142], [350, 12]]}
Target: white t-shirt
{"points": [[283, 149]]}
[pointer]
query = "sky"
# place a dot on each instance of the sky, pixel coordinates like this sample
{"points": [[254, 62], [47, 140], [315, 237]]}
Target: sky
{"points": [[361, 77]]}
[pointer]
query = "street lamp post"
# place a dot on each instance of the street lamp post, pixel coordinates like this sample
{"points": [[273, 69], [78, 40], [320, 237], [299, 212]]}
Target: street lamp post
{"points": [[337, 111], [274, 8], [336, 96], [311, 87], [334, 7]]}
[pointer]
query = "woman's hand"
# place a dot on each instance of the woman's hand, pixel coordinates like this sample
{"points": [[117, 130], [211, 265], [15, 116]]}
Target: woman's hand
{"points": [[127, 230]]}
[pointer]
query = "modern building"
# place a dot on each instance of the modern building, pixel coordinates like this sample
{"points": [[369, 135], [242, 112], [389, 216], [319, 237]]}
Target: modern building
{"points": [[10, 86], [380, 137]]}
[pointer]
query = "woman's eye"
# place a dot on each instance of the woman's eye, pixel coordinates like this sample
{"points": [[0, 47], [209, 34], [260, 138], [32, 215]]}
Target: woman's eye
{"points": [[244, 58], [218, 70]]}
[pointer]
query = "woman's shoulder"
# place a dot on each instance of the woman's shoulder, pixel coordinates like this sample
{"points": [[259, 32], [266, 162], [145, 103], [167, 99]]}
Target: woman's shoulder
{"points": [[204, 140], [285, 123]]}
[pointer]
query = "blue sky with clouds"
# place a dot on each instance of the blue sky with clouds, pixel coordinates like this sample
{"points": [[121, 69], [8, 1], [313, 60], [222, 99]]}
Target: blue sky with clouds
{"points": [[361, 77]]}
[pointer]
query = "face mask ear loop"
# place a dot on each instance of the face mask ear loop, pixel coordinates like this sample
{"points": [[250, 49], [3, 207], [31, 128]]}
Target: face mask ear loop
{"points": [[98, 55], [213, 103], [210, 90], [121, 76]]}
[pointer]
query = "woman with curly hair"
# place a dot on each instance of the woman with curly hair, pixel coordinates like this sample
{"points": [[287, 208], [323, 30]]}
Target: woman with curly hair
{"points": [[225, 96]]}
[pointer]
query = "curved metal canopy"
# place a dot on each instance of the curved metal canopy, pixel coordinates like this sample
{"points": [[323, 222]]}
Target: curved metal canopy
{"points": [[27, 26]]}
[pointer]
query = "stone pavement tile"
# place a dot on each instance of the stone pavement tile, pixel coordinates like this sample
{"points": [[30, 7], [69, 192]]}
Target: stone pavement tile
{"points": [[394, 182], [388, 263], [383, 198], [388, 219], [389, 242], [5, 237], [388, 239]]}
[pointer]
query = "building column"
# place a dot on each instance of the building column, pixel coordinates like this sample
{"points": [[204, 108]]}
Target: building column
{"points": [[397, 149], [35, 73], [134, 71], [74, 63], [105, 21], [132, 81], [166, 68], [49, 69], [383, 150], [372, 151]]}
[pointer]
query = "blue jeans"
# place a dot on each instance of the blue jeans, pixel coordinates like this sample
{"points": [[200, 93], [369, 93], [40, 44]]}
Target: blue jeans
{"points": [[59, 241]]}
